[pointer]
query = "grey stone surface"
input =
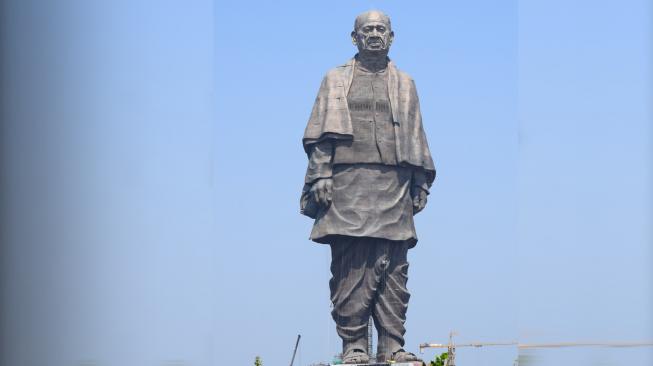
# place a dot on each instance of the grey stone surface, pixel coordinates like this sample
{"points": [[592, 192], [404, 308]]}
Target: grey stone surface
{"points": [[369, 172]]}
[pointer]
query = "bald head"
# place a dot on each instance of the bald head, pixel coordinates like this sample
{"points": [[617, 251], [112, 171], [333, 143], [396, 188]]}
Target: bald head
{"points": [[371, 16], [372, 33]]}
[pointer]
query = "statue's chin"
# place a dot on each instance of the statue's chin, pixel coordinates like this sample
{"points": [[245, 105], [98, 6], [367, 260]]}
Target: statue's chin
{"points": [[374, 53]]}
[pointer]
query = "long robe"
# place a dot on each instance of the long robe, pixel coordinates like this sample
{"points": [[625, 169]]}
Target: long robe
{"points": [[371, 195], [369, 200]]}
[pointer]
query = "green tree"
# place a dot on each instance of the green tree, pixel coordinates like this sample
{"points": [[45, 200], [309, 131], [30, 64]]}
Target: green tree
{"points": [[258, 361], [440, 360]]}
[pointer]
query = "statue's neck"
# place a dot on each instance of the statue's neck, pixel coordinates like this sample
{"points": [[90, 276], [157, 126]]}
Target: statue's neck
{"points": [[374, 62]]}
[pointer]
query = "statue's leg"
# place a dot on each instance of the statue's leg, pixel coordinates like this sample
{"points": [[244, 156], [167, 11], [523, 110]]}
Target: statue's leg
{"points": [[391, 303], [353, 287]]}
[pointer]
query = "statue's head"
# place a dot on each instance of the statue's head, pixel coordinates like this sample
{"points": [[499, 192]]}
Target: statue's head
{"points": [[372, 32]]}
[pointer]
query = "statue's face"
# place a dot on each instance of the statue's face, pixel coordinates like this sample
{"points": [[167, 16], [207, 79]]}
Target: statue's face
{"points": [[373, 35]]}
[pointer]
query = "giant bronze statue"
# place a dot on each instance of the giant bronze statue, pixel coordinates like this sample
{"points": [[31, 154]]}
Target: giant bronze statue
{"points": [[369, 172]]}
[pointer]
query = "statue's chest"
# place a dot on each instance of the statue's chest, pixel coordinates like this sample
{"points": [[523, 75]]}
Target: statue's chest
{"points": [[368, 98], [371, 119]]}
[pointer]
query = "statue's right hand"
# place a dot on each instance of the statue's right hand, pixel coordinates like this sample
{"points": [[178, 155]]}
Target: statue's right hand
{"points": [[321, 191]]}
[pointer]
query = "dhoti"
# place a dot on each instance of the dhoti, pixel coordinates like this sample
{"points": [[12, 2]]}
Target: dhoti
{"points": [[369, 278], [369, 200]]}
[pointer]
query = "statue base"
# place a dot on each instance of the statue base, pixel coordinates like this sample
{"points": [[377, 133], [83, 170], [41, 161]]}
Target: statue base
{"points": [[413, 363]]}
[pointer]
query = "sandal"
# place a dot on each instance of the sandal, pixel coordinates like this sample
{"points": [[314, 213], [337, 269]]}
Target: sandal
{"points": [[403, 356], [355, 356]]}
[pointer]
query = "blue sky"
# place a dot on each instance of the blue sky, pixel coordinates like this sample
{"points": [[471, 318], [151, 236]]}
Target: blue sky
{"points": [[164, 164]]}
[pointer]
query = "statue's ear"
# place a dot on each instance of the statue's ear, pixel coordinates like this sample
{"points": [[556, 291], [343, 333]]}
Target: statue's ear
{"points": [[353, 38], [391, 38]]}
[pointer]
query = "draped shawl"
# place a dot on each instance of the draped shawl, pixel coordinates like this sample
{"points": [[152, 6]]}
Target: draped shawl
{"points": [[330, 118]]}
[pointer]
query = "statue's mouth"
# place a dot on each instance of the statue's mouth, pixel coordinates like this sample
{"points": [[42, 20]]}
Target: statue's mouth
{"points": [[375, 42]]}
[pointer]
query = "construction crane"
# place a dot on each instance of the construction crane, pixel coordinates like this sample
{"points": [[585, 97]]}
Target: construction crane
{"points": [[295, 351], [451, 346]]}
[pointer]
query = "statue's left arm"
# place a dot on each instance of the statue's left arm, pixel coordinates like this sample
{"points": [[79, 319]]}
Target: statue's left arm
{"points": [[419, 155], [419, 189]]}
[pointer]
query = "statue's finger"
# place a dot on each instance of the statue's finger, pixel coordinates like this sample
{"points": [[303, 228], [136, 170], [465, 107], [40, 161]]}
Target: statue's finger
{"points": [[325, 196], [327, 193]]}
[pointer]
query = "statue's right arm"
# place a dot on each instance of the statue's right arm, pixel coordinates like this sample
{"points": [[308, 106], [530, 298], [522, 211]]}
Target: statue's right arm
{"points": [[319, 171]]}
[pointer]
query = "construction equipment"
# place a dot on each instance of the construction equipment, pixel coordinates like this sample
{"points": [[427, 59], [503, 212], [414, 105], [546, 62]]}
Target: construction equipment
{"points": [[370, 336], [451, 346], [295, 351]]}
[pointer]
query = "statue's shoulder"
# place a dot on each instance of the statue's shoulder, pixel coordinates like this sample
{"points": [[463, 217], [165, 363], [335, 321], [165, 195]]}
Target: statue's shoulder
{"points": [[402, 75], [405, 76], [340, 71]]}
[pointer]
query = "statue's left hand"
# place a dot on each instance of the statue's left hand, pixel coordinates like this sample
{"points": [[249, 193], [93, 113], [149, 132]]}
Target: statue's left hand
{"points": [[419, 199]]}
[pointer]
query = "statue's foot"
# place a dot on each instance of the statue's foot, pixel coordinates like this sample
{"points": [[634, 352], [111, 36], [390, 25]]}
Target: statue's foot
{"points": [[403, 356], [355, 356], [400, 356]]}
